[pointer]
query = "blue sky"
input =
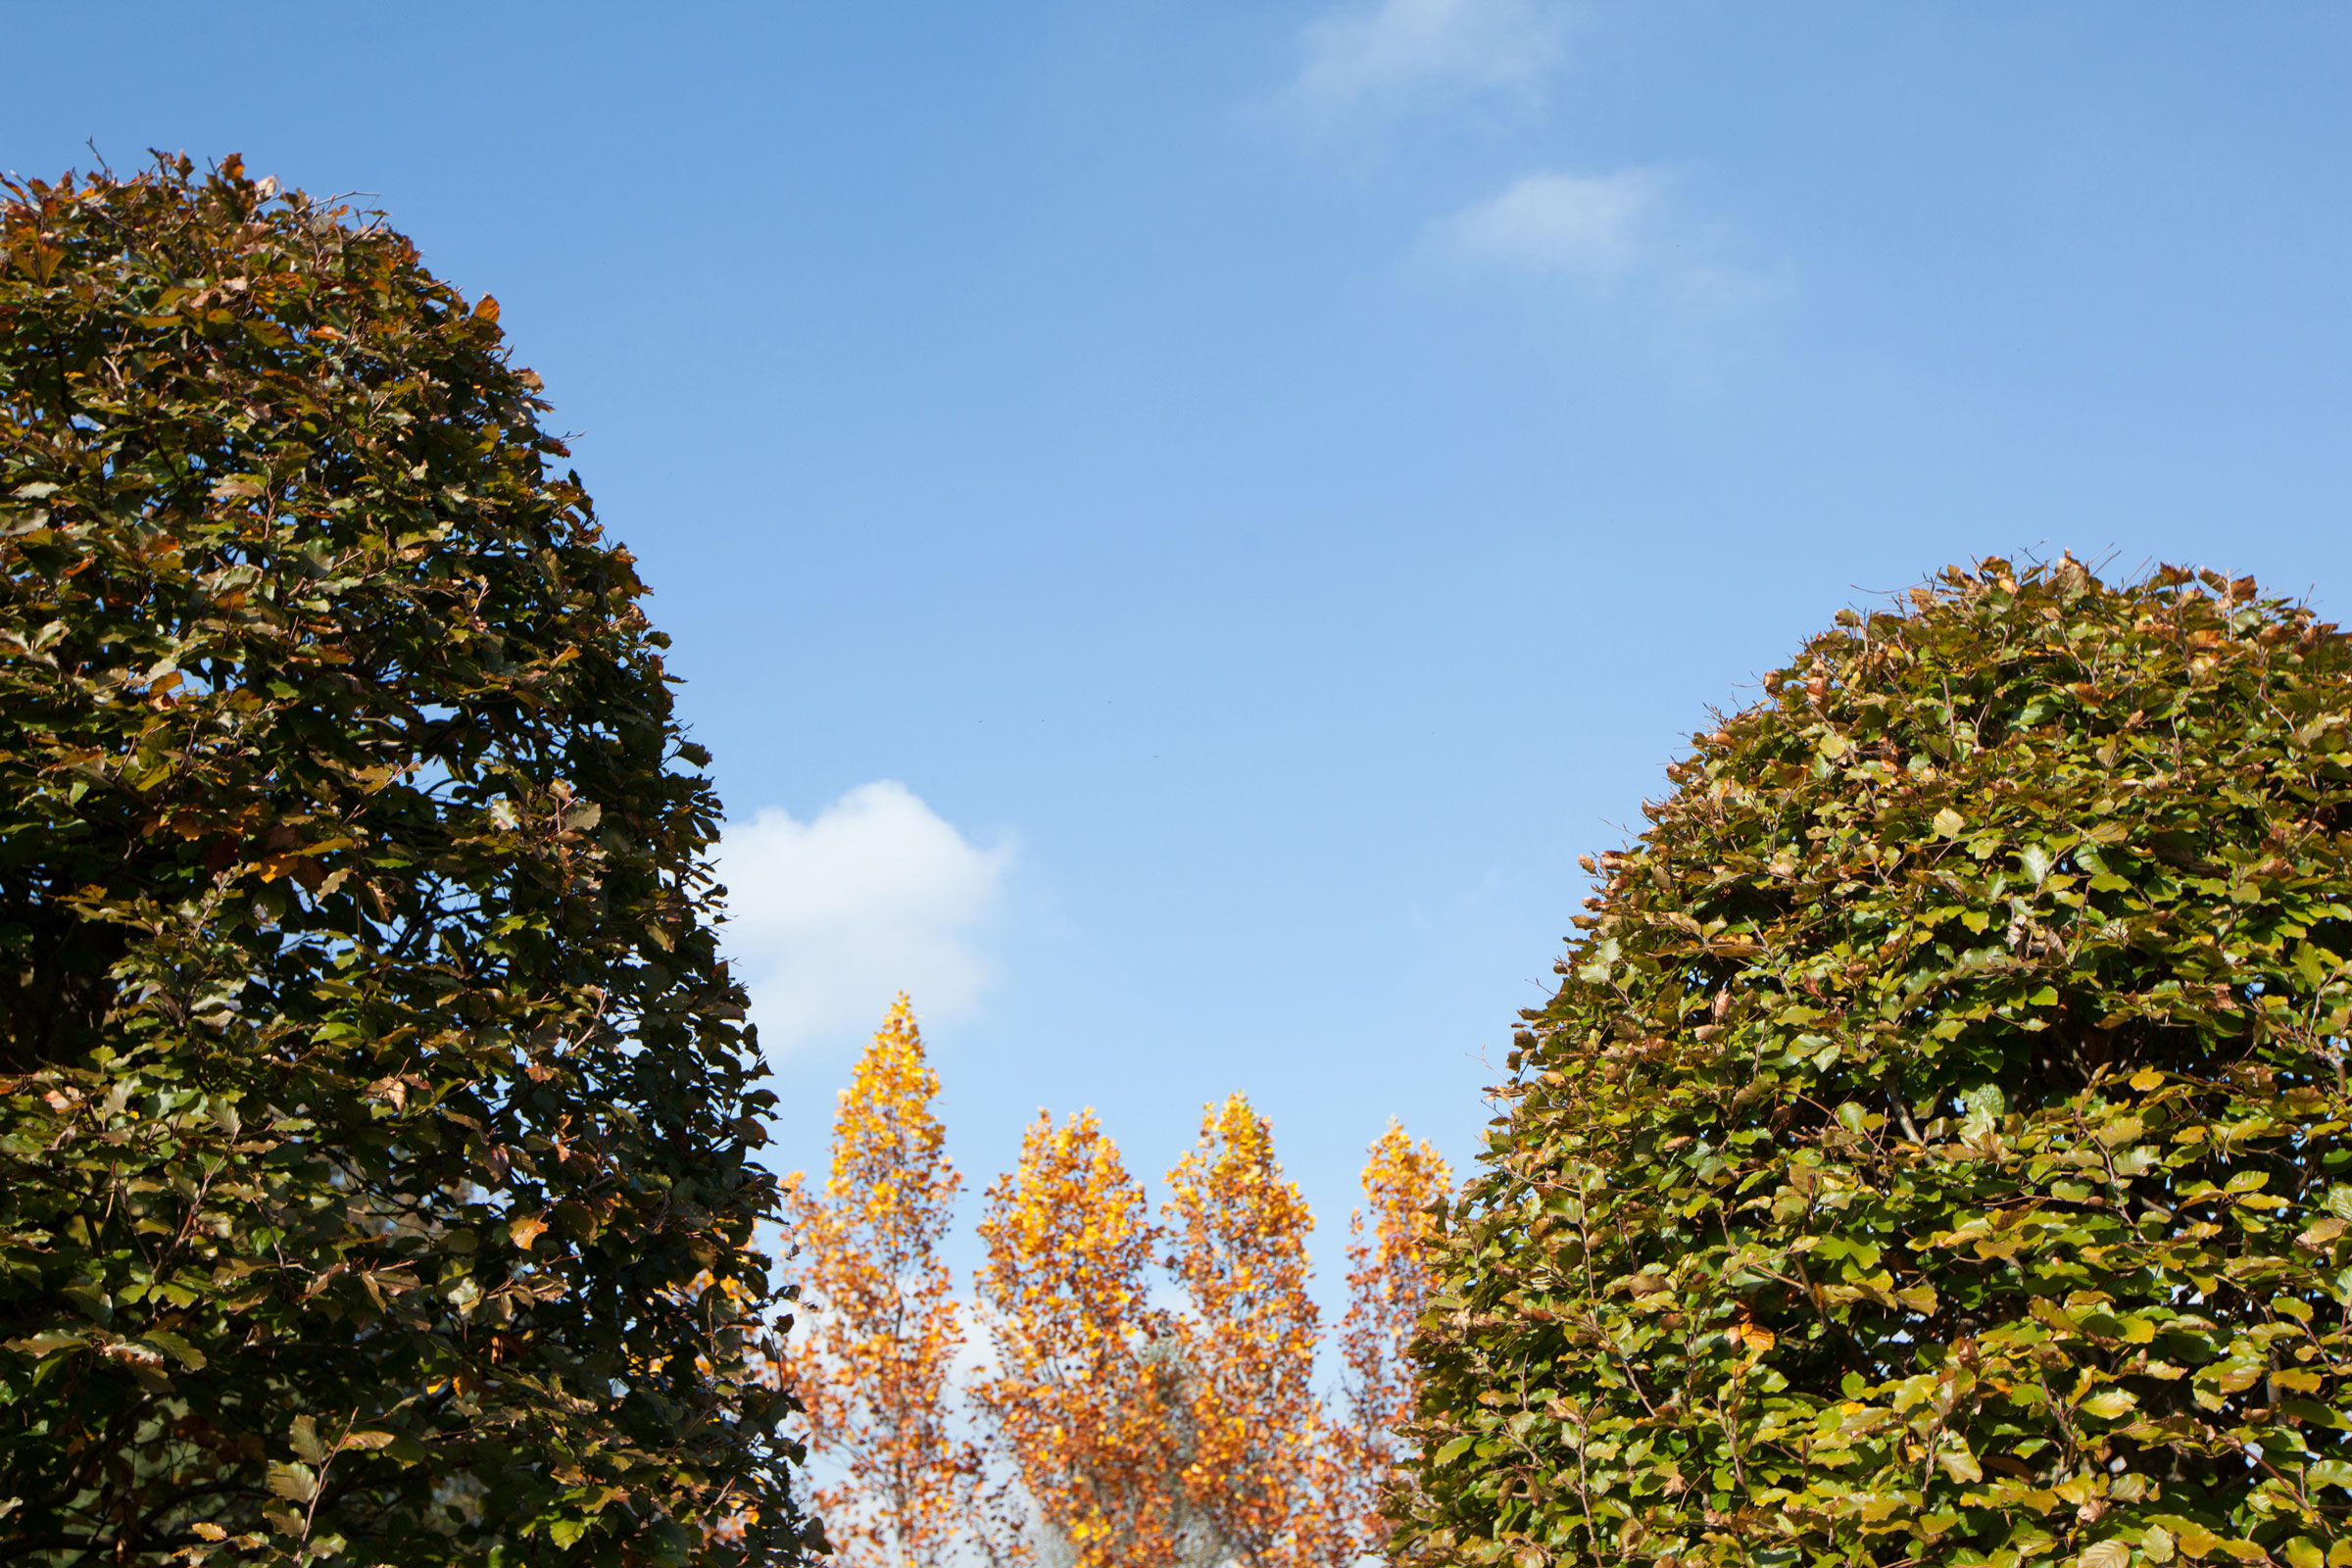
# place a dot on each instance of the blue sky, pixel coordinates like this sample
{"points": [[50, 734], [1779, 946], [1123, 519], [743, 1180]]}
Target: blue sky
{"points": [[1187, 519]]}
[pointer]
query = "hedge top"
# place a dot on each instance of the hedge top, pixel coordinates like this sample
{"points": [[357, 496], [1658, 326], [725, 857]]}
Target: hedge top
{"points": [[1935, 1152]]}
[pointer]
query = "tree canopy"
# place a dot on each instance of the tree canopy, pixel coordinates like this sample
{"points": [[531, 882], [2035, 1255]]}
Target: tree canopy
{"points": [[1936, 1150], [375, 1111]]}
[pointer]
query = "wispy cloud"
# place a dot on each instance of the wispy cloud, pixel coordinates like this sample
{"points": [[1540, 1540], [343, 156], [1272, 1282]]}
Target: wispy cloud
{"points": [[1628, 242], [1598, 226], [876, 894], [1392, 52]]}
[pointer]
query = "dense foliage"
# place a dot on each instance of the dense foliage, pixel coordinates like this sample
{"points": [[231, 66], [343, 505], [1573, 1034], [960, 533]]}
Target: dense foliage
{"points": [[1935, 1152], [374, 1109]]}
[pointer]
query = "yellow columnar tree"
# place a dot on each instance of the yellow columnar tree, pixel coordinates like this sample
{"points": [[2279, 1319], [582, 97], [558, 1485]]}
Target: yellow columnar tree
{"points": [[1389, 1285], [1259, 1465], [872, 1363], [1083, 1391]]}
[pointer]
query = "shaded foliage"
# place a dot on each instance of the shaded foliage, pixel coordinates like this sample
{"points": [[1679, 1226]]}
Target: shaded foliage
{"points": [[375, 1109], [1935, 1152]]}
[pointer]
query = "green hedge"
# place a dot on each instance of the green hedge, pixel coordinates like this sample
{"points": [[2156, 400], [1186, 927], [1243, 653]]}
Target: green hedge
{"points": [[1935, 1152], [375, 1113]]}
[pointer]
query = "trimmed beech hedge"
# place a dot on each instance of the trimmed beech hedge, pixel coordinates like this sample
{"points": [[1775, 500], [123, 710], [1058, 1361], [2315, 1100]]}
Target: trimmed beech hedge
{"points": [[376, 1117], [1935, 1150]]}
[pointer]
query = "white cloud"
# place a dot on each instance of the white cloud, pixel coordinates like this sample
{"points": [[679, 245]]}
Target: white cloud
{"points": [[1599, 225], [1395, 50], [829, 918], [1626, 246]]}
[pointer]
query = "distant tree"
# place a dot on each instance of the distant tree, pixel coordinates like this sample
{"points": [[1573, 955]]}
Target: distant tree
{"points": [[375, 1111], [1084, 1399], [1390, 1254], [873, 1362], [1259, 1465], [1193, 1436], [1937, 1149]]}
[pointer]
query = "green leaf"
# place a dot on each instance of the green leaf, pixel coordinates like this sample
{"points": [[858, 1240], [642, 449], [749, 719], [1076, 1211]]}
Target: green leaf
{"points": [[2110, 1404], [48, 1342], [94, 1302], [296, 1483], [2335, 1473]]}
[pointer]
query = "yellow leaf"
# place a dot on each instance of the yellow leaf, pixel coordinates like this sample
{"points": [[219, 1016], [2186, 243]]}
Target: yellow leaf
{"points": [[2109, 1404], [2237, 1376], [1920, 1297], [2196, 1540]]}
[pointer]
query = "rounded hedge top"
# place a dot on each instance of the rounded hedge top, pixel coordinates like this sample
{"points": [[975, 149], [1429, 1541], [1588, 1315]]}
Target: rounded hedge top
{"points": [[1935, 1152]]}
